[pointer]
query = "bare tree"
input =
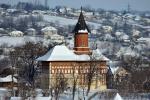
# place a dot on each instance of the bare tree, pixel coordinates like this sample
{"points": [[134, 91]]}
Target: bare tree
{"points": [[92, 72], [131, 63], [75, 79], [139, 72], [59, 84], [13, 62], [23, 58]]}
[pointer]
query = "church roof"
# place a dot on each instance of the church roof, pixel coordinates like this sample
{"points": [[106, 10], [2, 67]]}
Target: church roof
{"points": [[62, 53], [81, 24], [58, 53]]}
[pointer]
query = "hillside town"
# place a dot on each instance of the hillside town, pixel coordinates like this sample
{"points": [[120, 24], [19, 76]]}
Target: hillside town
{"points": [[66, 53]]}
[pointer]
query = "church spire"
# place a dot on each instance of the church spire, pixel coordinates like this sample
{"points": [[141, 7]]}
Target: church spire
{"points": [[81, 8], [81, 24], [81, 36]]}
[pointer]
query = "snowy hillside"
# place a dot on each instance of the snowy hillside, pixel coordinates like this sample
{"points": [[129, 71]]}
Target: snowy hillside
{"points": [[16, 41], [64, 21]]}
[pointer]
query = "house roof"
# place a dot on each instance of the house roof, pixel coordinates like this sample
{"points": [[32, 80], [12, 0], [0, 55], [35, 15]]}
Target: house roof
{"points": [[118, 97], [114, 69], [16, 32], [62, 53], [8, 79], [49, 28]]}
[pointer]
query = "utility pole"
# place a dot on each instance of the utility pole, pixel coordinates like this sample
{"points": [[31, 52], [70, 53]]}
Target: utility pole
{"points": [[36, 2], [129, 8], [46, 3]]}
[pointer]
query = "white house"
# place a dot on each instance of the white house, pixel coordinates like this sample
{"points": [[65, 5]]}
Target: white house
{"points": [[107, 29], [94, 31], [16, 33], [57, 38], [31, 31], [135, 33], [49, 31]]}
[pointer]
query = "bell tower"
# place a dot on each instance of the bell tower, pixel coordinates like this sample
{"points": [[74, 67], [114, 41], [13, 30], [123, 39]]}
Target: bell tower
{"points": [[81, 36]]}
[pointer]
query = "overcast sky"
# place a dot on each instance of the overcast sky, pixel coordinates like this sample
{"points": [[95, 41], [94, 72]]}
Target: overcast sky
{"points": [[141, 5]]}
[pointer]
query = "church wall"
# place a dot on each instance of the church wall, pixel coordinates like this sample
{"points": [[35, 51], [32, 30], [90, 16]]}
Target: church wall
{"points": [[79, 68]]}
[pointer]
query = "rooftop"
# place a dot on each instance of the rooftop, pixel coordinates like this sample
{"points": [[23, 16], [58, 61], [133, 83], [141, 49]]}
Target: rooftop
{"points": [[8, 79], [62, 53], [81, 24]]}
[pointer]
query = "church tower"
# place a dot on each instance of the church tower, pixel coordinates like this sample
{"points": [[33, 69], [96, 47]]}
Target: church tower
{"points": [[81, 36]]}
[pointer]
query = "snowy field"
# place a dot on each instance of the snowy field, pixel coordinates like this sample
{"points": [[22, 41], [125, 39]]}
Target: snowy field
{"points": [[67, 95], [64, 21]]}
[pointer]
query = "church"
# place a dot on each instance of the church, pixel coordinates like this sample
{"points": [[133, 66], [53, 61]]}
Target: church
{"points": [[75, 62]]}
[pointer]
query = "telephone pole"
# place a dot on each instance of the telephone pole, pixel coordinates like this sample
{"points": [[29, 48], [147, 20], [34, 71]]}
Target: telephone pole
{"points": [[46, 3], [129, 8]]}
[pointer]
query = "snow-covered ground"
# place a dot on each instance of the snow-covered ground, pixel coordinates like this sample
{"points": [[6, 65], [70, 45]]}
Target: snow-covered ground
{"points": [[64, 21], [93, 95]]}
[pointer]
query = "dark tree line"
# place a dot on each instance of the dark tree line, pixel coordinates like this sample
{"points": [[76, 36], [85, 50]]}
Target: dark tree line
{"points": [[22, 23], [29, 6], [5, 6], [23, 60], [139, 75]]}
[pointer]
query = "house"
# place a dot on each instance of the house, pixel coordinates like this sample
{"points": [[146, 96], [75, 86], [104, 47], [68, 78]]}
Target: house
{"points": [[48, 31], [16, 33], [57, 38], [7, 81], [31, 31], [74, 62], [107, 29]]}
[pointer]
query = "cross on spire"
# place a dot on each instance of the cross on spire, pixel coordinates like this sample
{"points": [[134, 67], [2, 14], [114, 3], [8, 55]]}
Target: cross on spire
{"points": [[81, 8]]}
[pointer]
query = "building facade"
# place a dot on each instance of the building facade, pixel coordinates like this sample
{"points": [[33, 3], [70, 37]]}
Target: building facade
{"points": [[79, 62]]}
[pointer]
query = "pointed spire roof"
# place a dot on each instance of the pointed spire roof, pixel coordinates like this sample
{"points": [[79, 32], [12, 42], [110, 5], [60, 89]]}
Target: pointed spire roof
{"points": [[81, 24]]}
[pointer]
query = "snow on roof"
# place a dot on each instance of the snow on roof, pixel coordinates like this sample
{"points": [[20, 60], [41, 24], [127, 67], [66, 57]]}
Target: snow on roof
{"points": [[62, 53], [83, 31], [99, 55], [59, 52], [135, 32], [3, 89], [144, 39], [3, 92], [118, 97], [124, 37], [11, 10], [8, 79], [2, 29], [119, 33], [31, 29], [16, 98], [16, 32], [49, 28], [113, 65], [114, 69], [43, 98], [108, 37]]}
